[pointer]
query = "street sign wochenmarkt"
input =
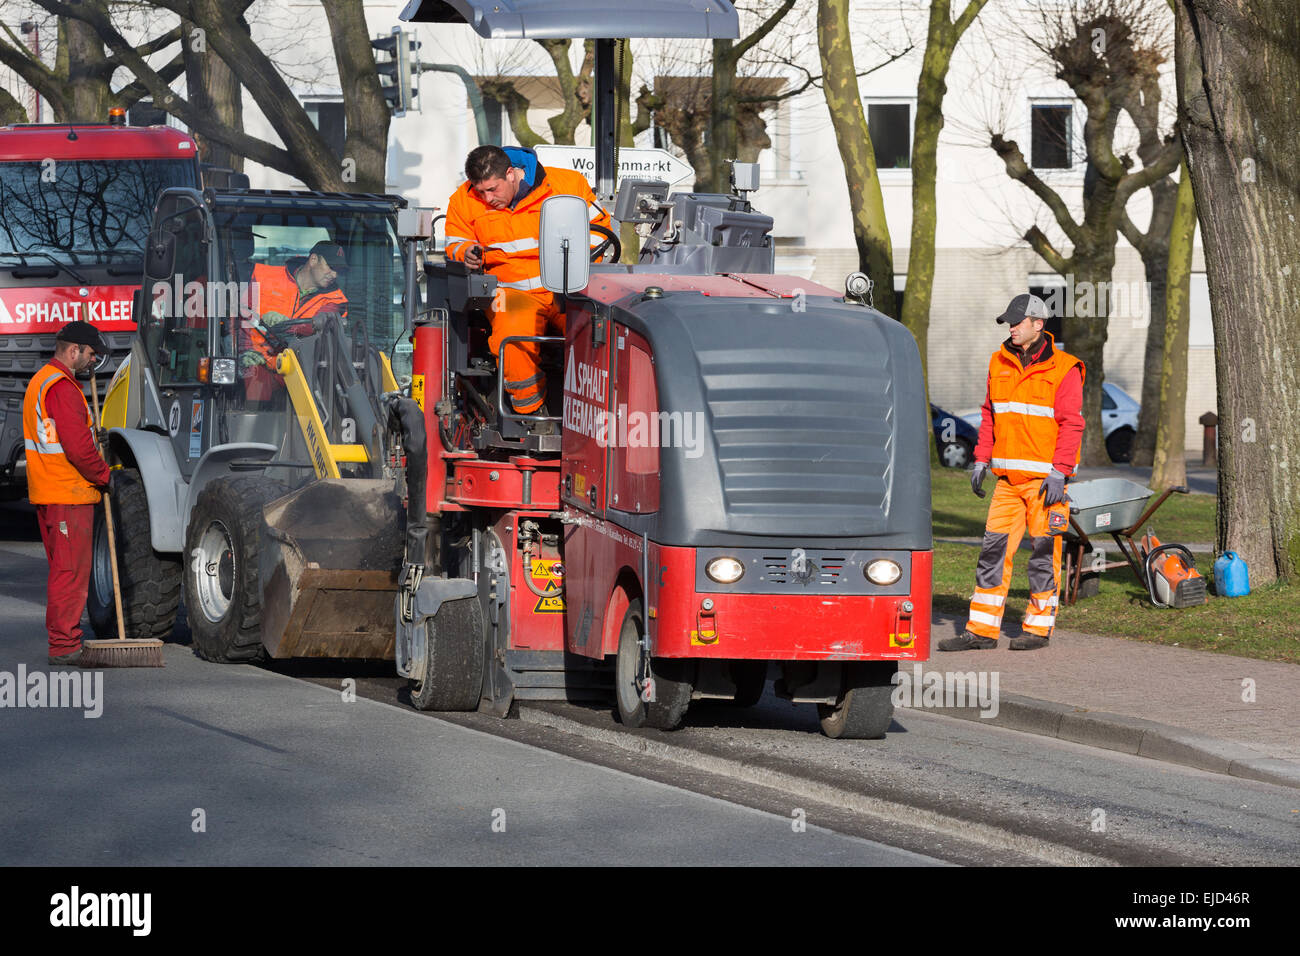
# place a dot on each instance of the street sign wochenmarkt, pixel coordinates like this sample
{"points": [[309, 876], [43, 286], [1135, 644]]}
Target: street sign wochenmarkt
{"points": [[632, 163]]}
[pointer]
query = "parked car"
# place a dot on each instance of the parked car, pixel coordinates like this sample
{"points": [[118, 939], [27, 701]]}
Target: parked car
{"points": [[954, 437], [1119, 421]]}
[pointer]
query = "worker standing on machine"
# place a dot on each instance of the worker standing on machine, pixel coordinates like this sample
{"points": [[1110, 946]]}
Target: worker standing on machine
{"points": [[493, 222], [1030, 435]]}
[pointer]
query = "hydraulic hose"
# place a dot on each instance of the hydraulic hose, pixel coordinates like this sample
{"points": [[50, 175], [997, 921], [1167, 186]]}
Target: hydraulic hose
{"points": [[410, 422]]}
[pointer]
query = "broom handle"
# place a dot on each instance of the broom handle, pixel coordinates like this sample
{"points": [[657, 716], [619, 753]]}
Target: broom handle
{"points": [[108, 522]]}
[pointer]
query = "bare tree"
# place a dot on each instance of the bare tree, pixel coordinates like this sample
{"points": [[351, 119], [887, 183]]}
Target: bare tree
{"points": [[78, 86], [853, 137], [1098, 52], [1238, 69], [942, 36], [225, 34]]}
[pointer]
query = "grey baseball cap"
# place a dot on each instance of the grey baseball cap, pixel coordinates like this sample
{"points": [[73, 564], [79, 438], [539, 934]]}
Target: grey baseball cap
{"points": [[1022, 307]]}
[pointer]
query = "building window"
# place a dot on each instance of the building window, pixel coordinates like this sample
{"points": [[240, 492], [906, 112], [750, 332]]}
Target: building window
{"points": [[1053, 294], [327, 116], [1051, 132], [890, 125], [1200, 333]]}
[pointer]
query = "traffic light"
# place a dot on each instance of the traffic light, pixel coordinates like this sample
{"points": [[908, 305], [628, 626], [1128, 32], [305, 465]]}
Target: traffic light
{"points": [[397, 64]]}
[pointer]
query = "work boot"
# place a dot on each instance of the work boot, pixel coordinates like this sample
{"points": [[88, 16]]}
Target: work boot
{"points": [[966, 641], [71, 659], [1028, 642]]}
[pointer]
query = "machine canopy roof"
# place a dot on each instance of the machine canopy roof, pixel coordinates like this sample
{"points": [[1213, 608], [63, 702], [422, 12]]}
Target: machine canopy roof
{"points": [[589, 19]]}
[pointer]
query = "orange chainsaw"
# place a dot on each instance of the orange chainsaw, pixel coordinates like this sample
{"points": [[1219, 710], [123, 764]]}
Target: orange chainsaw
{"points": [[1171, 576]]}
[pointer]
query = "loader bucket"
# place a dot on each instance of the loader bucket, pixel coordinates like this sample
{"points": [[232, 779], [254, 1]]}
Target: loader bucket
{"points": [[329, 560]]}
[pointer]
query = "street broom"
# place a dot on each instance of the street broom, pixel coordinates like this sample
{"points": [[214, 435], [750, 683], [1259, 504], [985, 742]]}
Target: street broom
{"points": [[120, 652]]}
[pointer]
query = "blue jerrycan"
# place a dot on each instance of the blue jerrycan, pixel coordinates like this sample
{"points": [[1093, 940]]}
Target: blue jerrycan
{"points": [[1231, 576]]}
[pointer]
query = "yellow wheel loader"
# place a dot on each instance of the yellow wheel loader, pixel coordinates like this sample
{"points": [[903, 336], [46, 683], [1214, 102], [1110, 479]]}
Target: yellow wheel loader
{"points": [[257, 429]]}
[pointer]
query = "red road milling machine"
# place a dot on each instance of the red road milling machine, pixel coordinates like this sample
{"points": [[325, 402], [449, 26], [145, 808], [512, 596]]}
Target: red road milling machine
{"points": [[735, 486]]}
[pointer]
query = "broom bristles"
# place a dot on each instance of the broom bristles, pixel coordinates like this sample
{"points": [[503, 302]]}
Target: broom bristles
{"points": [[114, 653]]}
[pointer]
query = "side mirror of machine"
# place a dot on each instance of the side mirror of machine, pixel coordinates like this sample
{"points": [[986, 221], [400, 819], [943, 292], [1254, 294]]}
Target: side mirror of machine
{"points": [[160, 257], [565, 244]]}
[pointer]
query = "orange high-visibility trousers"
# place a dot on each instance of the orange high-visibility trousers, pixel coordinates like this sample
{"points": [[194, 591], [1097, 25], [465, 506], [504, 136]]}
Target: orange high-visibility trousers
{"points": [[522, 314], [1016, 509]]}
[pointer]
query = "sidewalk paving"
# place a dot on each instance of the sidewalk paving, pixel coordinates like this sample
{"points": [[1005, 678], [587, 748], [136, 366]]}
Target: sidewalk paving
{"points": [[1152, 700]]}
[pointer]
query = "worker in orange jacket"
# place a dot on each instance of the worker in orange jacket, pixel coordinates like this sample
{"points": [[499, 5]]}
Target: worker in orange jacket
{"points": [[1030, 435], [493, 222], [301, 289], [65, 473]]}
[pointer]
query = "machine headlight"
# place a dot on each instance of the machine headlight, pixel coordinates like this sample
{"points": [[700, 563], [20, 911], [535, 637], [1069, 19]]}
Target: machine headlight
{"points": [[883, 571], [223, 371], [724, 570]]}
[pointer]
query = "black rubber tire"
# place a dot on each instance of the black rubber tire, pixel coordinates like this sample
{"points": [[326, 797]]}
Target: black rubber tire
{"points": [[453, 672], [674, 680], [1119, 444], [866, 704], [234, 507], [151, 582], [750, 678], [957, 453]]}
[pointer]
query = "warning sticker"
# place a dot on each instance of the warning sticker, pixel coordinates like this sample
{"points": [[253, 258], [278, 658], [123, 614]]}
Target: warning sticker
{"points": [[417, 390], [902, 639], [703, 639], [552, 572], [196, 428]]}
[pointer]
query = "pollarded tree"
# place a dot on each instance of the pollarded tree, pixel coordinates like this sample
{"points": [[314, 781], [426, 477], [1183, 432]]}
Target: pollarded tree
{"points": [[1095, 50]]}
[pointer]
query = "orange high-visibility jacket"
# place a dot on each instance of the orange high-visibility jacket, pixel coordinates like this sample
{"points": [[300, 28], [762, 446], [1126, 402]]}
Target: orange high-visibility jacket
{"points": [[51, 478], [509, 237], [1024, 412], [277, 291]]}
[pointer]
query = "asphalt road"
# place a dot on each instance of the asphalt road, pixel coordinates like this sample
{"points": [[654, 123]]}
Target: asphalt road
{"points": [[286, 770]]}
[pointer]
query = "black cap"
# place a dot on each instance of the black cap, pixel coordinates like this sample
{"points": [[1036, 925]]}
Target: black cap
{"points": [[1022, 307], [332, 253], [83, 333]]}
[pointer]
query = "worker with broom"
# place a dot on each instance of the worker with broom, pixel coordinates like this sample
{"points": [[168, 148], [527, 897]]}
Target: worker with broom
{"points": [[65, 475]]}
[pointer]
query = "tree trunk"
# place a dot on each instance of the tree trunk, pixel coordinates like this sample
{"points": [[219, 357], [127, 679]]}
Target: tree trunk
{"points": [[1085, 335], [365, 110], [1156, 267], [1169, 465], [11, 111], [866, 204], [214, 89], [721, 140], [89, 96], [1237, 77]]}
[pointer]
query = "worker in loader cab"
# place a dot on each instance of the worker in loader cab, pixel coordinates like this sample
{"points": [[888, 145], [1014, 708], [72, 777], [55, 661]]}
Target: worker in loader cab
{"points": [[1030, 435], [287, 296], [493, 222]]}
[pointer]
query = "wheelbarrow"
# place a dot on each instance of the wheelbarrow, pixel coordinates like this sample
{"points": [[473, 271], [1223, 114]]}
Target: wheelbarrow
{"points": [[1115, 506]]}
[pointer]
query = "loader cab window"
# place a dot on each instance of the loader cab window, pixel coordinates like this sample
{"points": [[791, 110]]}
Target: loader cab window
{"points": [[280, 240], [176, 328]]}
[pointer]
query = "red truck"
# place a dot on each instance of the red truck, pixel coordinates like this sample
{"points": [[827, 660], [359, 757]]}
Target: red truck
{"points": [[75, 206]]}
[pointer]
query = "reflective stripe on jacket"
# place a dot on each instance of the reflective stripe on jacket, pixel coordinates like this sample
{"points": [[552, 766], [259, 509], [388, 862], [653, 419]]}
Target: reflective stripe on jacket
{"points": [[51, 478], [509, 237], [1025, 416]]}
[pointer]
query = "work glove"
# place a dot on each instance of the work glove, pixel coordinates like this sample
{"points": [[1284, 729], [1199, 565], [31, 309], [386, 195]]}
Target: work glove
{"points": [[1053, 488], [252, 357], [101, 437], [977, 477]]}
